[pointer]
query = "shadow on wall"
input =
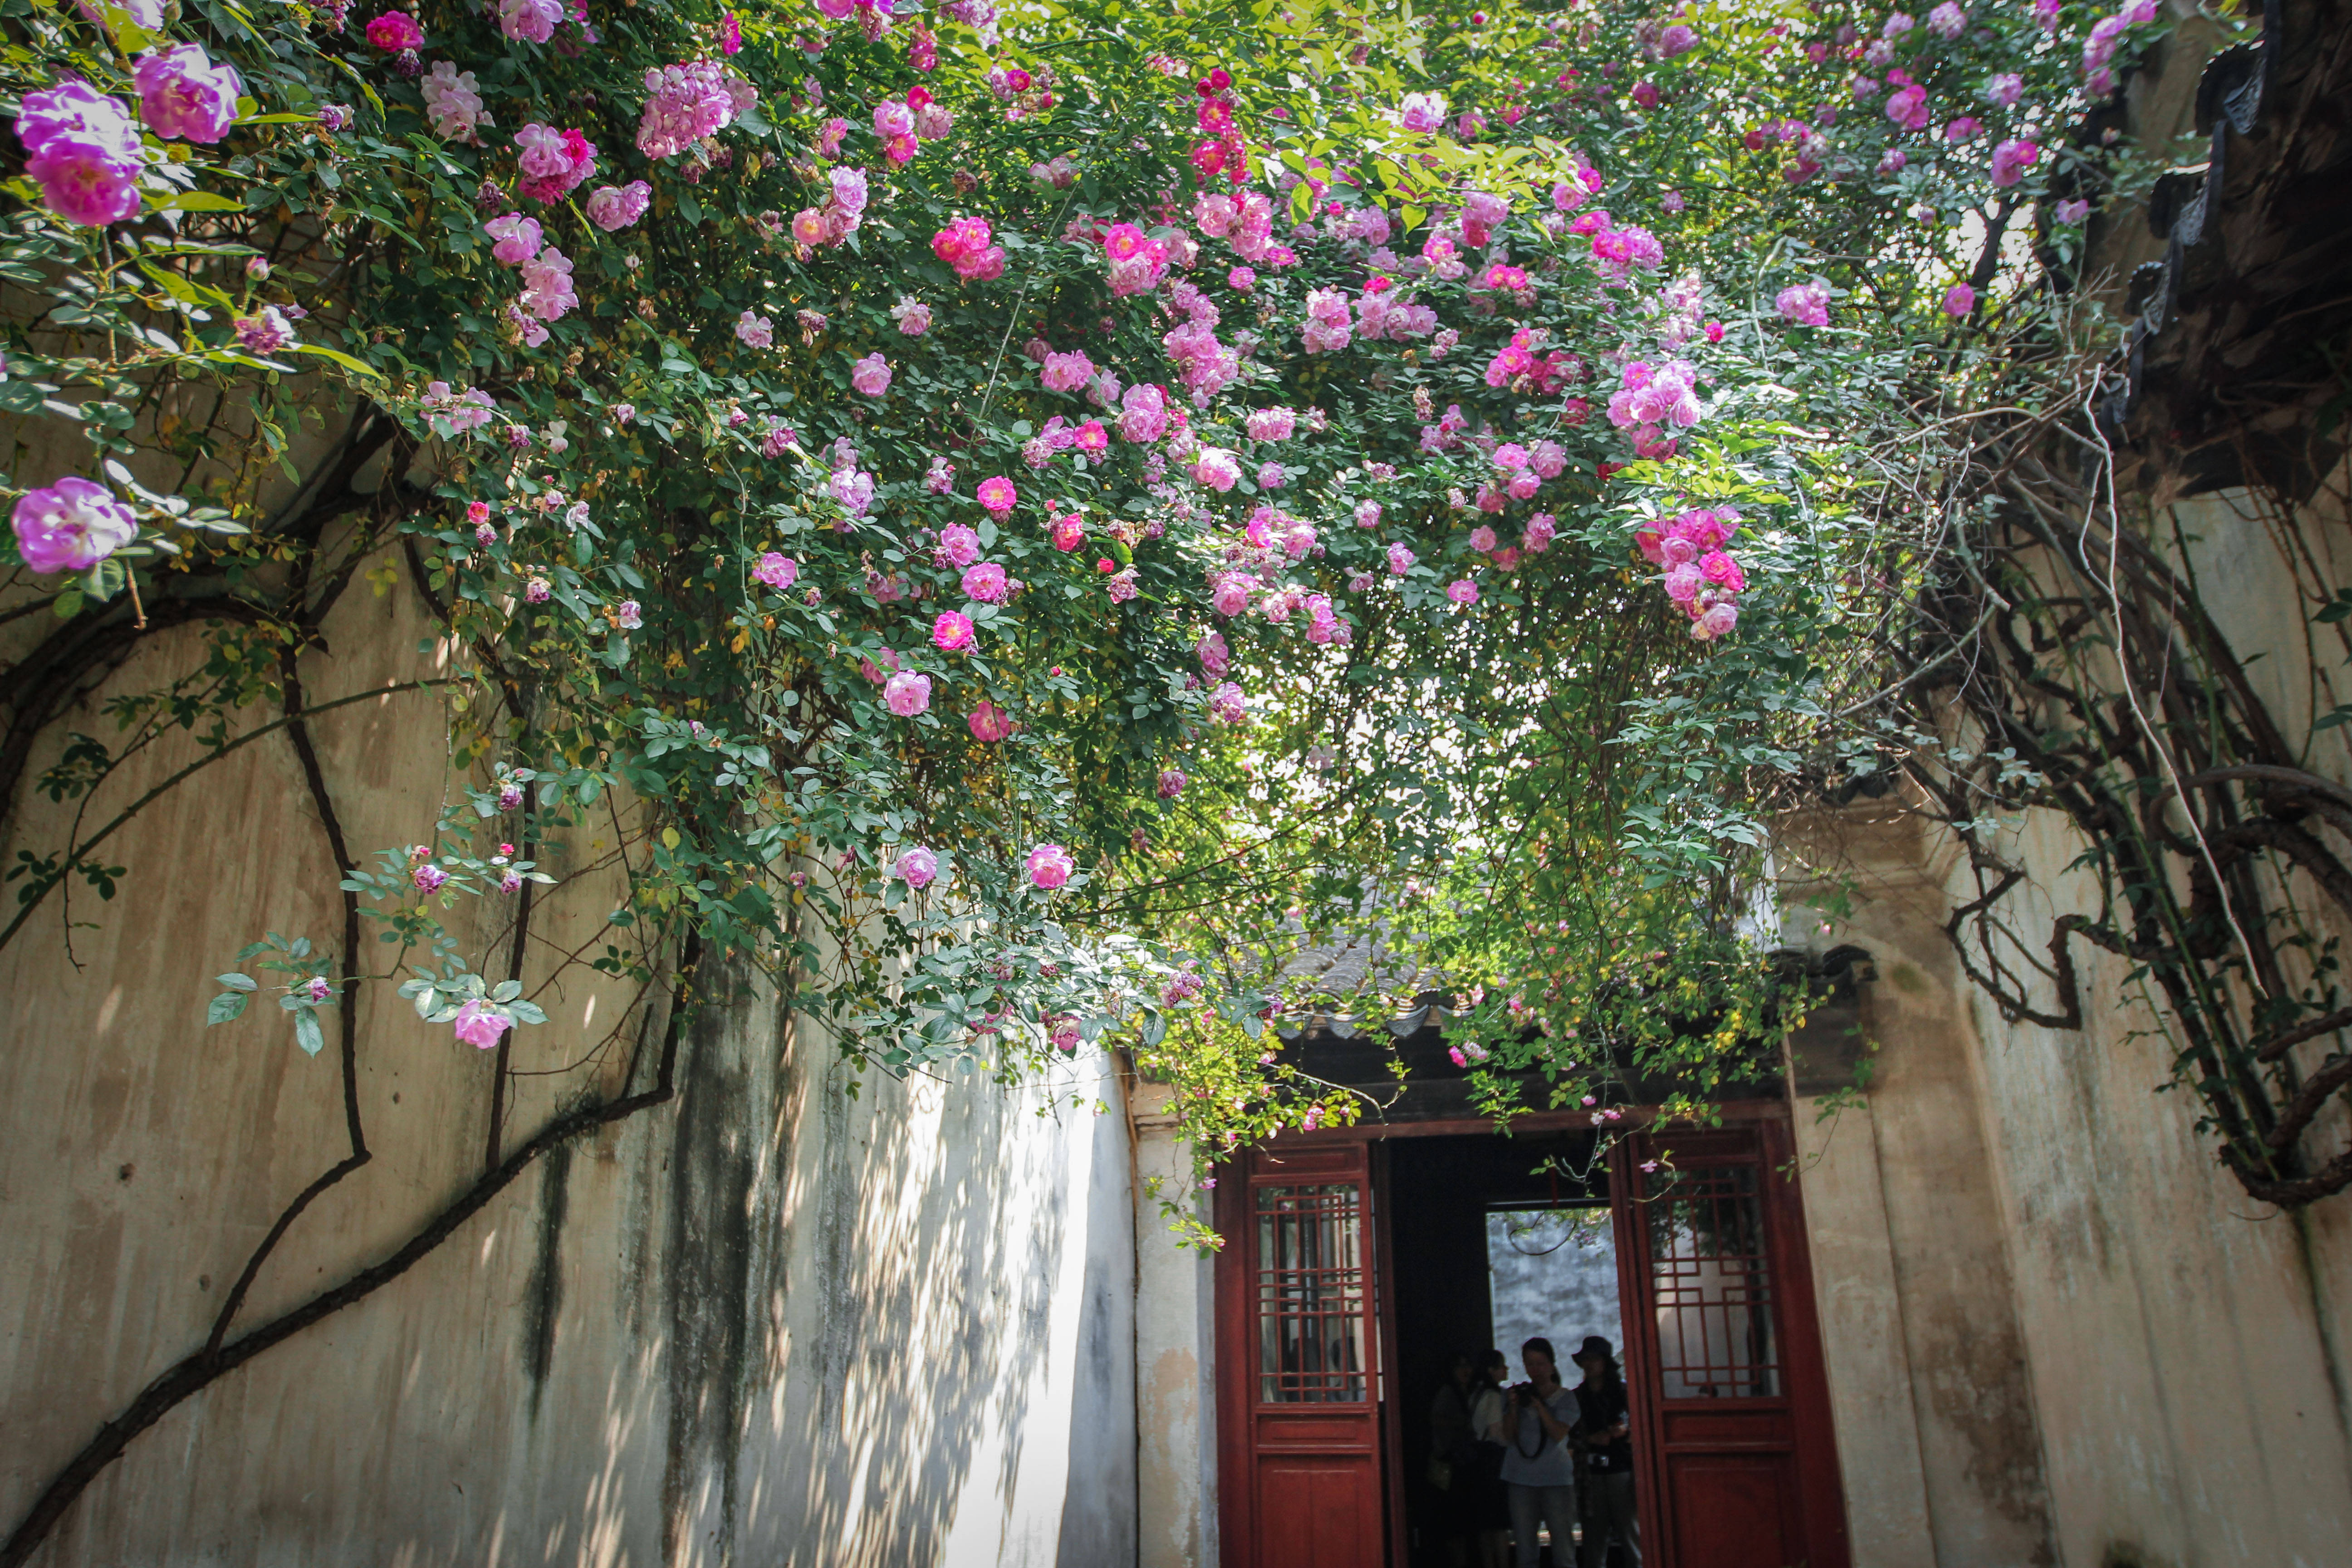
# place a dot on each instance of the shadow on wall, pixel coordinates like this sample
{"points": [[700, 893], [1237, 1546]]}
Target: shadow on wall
{"points": [[891, 1329]]}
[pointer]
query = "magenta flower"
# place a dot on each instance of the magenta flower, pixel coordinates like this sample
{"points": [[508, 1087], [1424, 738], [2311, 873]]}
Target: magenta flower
{"points": [[1401, 559], [914, 317], [1050, 866], [998, 495], [480, 1025], [1540, 531], [1172, 783], [70, 525], [630, 616], [1806, 304], [1421, 111], [1959, 300], [76, 108], [917, 866], [870, 375], [2074, 212], [755, 331], [393, 31], [777, 570], [1462, 590], [1214, 655], [1960, 130], [958, 545], [2011, 159], [1907, 107], [1227, 704], [85, 181], [266, 332], [986, 582], [182, 94], [951, 632], [428, 878], [989, 722], [907, 694]]}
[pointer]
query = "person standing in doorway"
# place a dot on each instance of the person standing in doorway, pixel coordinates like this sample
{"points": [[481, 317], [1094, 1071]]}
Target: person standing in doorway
{"points": [[1451, 1451], [1488, 1498], [1539, 1465], [1605, 1485]]}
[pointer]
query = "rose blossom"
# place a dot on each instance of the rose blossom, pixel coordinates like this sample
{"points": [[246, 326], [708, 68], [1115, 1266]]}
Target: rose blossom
{"points": [[989, 722], [1050, 866], [777, 570], [182, 94], [530, 21], [755, 331], [70, 525], [615, 208], [917, 866], [870, 375], [480, 1025], [907, 694], [987, 583], [1959, 300], [998, 494], [395, 31], [951, 632]]}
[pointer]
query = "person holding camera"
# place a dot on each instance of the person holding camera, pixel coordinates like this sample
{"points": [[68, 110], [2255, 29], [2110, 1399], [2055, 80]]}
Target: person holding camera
{"points": [[1538, 1464]]}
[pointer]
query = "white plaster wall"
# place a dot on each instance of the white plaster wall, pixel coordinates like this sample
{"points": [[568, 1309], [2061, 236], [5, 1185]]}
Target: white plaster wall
{"points": [[2185, 1348], [1175, 1359], [767, 1323]]}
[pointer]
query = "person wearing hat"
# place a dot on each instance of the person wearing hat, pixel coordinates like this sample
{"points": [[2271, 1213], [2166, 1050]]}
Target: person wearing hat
{"points": [[1604, 1484]]}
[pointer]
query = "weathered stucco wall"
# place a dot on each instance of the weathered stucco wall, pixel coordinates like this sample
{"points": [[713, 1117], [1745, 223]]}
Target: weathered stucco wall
{"points": [[796, 1315], [2097, 1326]]}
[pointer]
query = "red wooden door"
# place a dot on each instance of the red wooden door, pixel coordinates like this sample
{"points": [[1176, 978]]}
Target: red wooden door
{"points": [[1297, 1375], [1736, 1461]]}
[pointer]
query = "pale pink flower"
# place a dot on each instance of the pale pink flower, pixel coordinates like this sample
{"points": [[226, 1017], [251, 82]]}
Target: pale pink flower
{"points": [[907, 694], [871, 376]]}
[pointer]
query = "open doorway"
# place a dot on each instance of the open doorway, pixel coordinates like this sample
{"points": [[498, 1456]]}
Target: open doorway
{"points": [[1360, 1261], [1493, 1241]]}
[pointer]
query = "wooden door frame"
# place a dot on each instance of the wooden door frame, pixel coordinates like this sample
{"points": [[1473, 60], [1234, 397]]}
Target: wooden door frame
{"points": [[1822, 1497], [1235, 1371], [1821, 1491]]}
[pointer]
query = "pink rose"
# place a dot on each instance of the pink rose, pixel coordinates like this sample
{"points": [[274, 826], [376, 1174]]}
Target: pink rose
{"points": [[907, 694], [871, 376], [182, 94], [70, 525], [998, 494], [480, 1025], [917, 866], [989, 722], [1050, 866], [951, 632]]}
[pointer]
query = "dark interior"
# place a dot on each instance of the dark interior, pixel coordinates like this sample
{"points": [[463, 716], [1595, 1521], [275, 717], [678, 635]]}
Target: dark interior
{"points": [[1439, 1191]]}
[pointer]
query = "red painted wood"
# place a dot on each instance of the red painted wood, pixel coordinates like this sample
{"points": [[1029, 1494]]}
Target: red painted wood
{"points": [[1737, 1478], [1391, 1396], [1300, 1481]]}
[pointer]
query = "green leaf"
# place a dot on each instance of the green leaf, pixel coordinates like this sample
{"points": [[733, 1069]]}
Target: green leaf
{"points": [[307, 1032], [197, 202], [237, 982], [340, 358], [225, 1006]]}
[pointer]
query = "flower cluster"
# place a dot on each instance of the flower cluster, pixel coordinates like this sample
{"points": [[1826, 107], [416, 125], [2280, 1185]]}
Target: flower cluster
{"points": [[1701, 575]]}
